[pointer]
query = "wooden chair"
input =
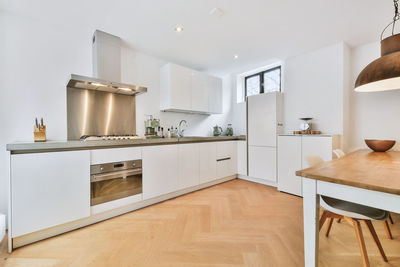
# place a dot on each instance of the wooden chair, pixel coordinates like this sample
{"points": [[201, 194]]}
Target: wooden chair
{"points": [[354, 214]]}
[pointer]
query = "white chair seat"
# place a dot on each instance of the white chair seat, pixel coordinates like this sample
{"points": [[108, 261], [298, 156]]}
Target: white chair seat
{"points": [[353, 210]]}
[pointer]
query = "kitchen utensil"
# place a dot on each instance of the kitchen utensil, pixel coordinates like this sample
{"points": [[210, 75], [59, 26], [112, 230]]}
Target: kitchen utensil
{"points": [[380, 145], [217, 130], [229, 130], [305, 126], [39, 131]]}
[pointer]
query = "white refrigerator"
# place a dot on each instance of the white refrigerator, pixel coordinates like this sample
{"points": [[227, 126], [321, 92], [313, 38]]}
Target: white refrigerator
{"points": [[264, 123]]}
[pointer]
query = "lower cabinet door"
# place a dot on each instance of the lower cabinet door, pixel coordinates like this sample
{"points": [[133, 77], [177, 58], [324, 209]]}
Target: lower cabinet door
{"points": [[49, 189], [224, 168], [226, 159], [289, 161], [208, 162], [262, 163], [188, 155], [242, 157], [160, 170], [316, 145]]}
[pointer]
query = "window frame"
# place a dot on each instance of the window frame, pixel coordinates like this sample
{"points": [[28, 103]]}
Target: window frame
{"points": [[261, 75]]}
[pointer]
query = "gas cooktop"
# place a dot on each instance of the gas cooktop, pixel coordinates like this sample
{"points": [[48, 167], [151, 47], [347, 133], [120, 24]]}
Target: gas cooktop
{"points": [[110, 137]]}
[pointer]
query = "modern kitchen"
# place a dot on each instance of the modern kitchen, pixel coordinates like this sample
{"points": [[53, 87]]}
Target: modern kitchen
{"points": [[204, 133]]}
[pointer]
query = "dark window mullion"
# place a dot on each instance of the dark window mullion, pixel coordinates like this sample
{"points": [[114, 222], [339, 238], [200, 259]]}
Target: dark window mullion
{"points": [[261, 82]]}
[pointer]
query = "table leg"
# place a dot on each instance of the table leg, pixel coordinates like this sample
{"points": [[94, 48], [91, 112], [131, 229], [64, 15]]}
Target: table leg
{"points": [[311, 222]]}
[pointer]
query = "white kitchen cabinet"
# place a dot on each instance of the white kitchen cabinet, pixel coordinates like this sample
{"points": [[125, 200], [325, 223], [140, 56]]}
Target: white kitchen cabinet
{"points": [[186, 90], [226, 159], [264, 119], [262, 163], [208, 162], [215, 104], [189, 165], [289, 161], [175, 88], [108, 155], [316, 145], [160, 170], [264, 123], [199, 92], [292, 156], [49, 189], [242, 157]]}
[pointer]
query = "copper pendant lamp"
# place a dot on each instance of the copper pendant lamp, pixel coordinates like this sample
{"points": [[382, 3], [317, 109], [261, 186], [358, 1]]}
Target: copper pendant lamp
{"points": [[383, 74]]}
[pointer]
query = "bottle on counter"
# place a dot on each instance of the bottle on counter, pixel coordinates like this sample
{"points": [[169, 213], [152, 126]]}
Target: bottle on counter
{"points": [[168, 133], [229, 130]]}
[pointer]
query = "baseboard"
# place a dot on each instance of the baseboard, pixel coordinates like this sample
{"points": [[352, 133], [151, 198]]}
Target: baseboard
{"points": [[94, 218], [257, 180]]}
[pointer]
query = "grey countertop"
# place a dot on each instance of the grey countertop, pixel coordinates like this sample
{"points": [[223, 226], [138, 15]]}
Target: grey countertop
{"points": [[52, 146]]}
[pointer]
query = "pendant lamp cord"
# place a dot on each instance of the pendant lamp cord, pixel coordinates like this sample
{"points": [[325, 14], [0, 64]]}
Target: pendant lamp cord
{"points": [[395, 18]]}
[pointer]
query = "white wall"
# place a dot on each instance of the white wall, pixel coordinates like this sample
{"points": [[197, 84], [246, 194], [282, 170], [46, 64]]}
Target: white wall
{"points": [[314, 87], [372, 115], [36, 60]]}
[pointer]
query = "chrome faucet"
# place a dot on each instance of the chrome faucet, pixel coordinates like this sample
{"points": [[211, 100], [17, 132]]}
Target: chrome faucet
{"points": [[180, 130]]}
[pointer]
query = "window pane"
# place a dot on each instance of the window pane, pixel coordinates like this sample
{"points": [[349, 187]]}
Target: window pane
{"points": [[253, 85], [272, 80]]}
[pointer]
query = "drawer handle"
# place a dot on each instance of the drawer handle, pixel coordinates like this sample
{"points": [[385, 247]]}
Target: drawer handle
{"points": [[224, 159]]}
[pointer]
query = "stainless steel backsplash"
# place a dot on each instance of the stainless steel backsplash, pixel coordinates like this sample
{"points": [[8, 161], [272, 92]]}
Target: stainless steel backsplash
{"points": [[92, 112]]}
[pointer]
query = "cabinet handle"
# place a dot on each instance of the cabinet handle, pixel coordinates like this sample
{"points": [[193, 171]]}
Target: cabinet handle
{"points": [[224, 159]]}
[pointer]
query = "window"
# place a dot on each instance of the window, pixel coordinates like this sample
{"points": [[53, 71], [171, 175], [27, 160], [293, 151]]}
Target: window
{"points": [[263, 82]]}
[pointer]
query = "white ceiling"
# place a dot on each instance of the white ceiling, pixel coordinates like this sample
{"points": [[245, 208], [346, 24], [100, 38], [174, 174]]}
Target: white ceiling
{"points": [[256, 30]]}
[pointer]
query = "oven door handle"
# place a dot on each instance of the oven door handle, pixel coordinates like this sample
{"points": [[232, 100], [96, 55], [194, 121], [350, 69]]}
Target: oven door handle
{"points": [[113, 175]]}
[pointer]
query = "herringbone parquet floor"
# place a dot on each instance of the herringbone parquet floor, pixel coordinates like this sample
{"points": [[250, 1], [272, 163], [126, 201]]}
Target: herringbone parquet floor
{"points": [[237, 223]]}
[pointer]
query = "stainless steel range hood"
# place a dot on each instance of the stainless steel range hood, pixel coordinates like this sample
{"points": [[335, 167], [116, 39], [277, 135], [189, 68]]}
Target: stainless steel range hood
{"points": [[102, 105], [106, 63], [83, 82]]}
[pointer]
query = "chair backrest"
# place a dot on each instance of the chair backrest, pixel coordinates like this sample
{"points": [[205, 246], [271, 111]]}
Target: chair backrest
{"points": [[339, 153], [314, 160]]}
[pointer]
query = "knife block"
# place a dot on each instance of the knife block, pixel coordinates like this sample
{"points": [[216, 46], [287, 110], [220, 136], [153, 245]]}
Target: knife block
{"points": [[39, 134]]}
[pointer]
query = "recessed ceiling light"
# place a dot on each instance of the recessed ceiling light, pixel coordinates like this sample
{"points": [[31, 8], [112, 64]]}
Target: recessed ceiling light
{"points": [[216, 12], [179, 29], [235, 56]]}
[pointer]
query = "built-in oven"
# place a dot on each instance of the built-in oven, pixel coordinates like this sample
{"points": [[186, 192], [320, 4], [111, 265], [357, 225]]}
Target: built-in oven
{"points": [[116, 180]]}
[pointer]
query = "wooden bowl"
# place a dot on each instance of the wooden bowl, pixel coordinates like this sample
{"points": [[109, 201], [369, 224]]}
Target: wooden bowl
{"points": [[380, 145]]}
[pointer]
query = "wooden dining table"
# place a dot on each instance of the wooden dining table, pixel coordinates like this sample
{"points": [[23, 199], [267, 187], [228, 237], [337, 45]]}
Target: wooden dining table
{"points": [[363, 177]]}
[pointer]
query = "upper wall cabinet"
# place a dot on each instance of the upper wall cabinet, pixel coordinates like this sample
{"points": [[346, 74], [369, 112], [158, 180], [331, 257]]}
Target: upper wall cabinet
{"points": [[186, 90]]}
